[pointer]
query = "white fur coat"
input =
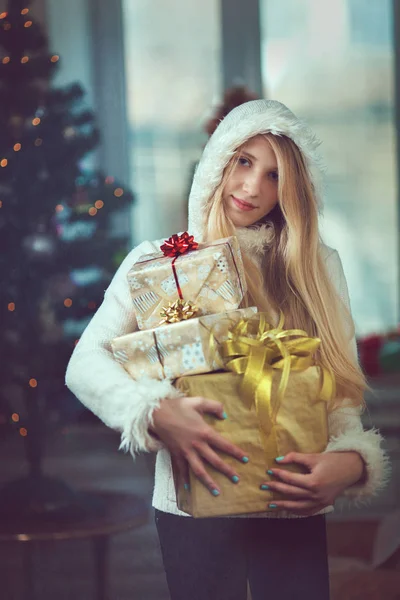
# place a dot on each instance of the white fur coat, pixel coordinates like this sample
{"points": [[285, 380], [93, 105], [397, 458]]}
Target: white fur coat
{"points": [[127, 405]]}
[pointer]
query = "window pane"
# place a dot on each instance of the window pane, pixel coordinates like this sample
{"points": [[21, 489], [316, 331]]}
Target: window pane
{"points": [[172, 56], [332, 64]]}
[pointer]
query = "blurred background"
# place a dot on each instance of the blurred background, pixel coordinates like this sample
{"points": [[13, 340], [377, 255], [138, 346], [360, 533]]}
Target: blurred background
{"points": [[105, 106]]}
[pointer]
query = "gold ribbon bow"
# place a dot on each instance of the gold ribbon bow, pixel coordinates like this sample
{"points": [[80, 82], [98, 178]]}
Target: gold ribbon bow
{"points": [[255, 350]]}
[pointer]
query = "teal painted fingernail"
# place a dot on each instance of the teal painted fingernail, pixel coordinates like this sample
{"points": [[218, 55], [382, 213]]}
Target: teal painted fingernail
{"points": [[186, 486], [224, 415], [245, 459], [272, 506], [265, 487], [269, 472], [235, 479], [215, 492], [279, 458]]}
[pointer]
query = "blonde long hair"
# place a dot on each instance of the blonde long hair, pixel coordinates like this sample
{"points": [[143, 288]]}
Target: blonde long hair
{"points": [[298, 282]]}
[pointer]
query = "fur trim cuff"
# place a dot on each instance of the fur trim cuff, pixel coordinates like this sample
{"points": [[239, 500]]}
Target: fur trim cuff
{"points": [[135, 436], [377, 463]]}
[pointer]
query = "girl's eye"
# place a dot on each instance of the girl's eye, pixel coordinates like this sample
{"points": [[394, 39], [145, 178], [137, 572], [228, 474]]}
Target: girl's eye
{"points": [[274, 175], [244, 161]]}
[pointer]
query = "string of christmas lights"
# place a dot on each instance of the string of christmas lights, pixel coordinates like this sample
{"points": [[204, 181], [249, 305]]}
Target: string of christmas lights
{"points": [[56, 252]]}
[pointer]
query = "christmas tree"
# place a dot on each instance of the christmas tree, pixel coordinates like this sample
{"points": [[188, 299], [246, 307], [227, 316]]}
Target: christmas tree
{"points": [[58, 247]]}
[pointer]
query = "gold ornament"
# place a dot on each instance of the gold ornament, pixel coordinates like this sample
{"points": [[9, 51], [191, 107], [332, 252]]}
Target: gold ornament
{"points": [[177, 311]]}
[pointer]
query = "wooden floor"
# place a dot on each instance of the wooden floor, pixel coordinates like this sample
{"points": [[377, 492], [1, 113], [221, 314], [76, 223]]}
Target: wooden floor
{"points": [[86, 456]]}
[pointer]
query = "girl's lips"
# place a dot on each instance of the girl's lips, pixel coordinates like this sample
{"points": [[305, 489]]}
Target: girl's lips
{"points": [[242, 205]]}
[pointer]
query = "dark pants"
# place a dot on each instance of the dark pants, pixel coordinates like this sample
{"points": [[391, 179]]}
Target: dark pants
{"points": [[212, 559]]}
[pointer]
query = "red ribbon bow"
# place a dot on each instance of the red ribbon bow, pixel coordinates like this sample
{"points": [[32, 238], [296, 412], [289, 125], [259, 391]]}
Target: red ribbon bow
{"points": [[174, 247], [179, 244]]}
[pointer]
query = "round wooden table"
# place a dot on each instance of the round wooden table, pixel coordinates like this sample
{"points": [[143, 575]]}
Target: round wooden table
{"points": [[113, 512]]}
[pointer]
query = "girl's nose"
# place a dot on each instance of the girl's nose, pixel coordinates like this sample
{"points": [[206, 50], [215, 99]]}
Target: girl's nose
{"points": [[251, 184]]}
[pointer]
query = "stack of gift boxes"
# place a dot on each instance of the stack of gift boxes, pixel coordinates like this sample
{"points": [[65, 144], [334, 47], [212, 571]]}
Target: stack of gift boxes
{"points": [[186, 300]]}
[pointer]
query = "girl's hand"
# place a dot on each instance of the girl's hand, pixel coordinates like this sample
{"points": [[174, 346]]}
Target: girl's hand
{"points": [[330, 474], [179, 423]]}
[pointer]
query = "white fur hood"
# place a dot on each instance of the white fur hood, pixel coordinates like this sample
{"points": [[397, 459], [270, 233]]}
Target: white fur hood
{"points": [[242, 123]]}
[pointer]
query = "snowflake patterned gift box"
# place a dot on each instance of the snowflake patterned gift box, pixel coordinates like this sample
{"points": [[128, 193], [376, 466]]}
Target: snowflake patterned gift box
{"points": [[182, 348], [207, 277]]}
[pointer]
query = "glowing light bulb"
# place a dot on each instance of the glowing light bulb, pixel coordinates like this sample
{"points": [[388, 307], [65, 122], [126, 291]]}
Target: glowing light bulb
{"points": [[24, 11], [3, 15], [3, 162], [17, 147], [99, 204], [28, 24], [11, 306], [68, 302], [15, 417], [59, 208], [6, 60], [118, 192], [92, 211], [36, 121], [55, 58], [33, 383], [23, 432], [109, 179], [24, 59]]}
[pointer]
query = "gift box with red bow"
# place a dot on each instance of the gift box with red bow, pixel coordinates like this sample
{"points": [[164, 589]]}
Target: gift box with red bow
{"points": [[186, 279]]}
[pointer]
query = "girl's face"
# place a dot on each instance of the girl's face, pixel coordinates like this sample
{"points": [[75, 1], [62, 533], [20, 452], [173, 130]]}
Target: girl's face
{"points": [[251, 191]]}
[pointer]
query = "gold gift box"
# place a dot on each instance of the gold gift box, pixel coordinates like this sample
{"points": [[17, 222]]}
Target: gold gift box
{"points": [[179, 349], [300, 425], [211, 277]]}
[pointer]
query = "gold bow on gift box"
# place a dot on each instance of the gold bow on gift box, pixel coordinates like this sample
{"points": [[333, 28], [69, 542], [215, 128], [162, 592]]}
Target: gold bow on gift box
{"points": [[180, 310], [256, 351], [275, 394]]}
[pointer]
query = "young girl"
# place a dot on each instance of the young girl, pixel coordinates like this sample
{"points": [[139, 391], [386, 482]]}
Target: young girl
{"points": [[258, 179]]}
